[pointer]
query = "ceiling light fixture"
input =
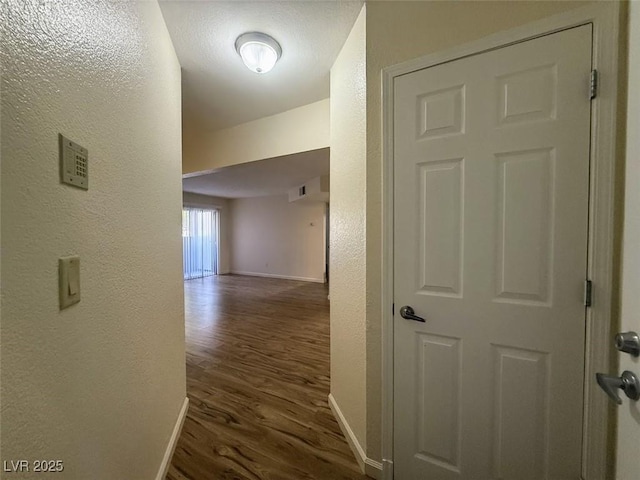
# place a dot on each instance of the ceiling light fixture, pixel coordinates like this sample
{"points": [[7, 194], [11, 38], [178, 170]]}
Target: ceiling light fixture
{"points": [[259, 51]]}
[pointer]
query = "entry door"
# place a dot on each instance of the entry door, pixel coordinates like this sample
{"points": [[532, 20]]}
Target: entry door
{"points": [[628, 461], [491, 190]]}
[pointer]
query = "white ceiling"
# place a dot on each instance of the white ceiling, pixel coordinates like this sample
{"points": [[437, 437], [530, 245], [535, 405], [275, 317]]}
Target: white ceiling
{"points": [[219, 91], [274, 176]]}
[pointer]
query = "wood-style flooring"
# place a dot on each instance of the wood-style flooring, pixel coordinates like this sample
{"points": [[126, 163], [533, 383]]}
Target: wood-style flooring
{"points": [[258, 380]]}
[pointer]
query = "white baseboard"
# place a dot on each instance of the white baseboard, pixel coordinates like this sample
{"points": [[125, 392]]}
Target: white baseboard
{"points": [[369, 467], [273, 275], [173, 441]]}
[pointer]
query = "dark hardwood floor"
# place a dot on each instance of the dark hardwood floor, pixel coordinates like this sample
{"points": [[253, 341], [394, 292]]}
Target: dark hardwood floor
{"points": [[258, 381]]}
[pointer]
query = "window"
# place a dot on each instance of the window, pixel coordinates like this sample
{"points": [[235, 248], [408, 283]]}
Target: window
{"points": [[199, 242]]}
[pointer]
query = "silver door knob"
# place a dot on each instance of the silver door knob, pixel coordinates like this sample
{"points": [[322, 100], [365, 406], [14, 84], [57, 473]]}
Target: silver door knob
{"points": [[627, 382], [407, 313], [628, 342]]}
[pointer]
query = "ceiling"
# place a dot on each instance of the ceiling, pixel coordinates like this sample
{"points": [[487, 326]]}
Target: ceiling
{"points": [[219, 91], [274, 176]]}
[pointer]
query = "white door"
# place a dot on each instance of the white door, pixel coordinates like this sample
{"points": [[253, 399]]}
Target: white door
{"points": [[491, 182], [629, 412]]}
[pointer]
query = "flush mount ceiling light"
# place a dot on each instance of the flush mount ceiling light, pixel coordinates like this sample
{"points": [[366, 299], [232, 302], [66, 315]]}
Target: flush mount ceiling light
{"points": [[259, 51]]}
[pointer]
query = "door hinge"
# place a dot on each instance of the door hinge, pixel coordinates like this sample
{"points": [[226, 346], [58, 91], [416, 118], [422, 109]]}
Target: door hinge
{"points": [[593, 84], [393, 309], [588, 295]]}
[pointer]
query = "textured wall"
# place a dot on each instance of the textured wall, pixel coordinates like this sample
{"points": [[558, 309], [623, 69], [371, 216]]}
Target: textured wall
{"points": [[273, 237], [398, 31], [347, 242], [629, 414], [222, 205], [100, 384], [299, 130]]}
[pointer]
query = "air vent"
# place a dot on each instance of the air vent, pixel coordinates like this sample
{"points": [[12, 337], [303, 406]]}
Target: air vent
{"points": [[314, 190]]}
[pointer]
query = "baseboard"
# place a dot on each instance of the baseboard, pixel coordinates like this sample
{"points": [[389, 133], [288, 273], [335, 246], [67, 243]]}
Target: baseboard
{"points": [[369, 467], [173, 441], [273, 275]]}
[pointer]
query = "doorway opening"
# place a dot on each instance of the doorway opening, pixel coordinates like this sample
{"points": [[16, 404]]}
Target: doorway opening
{"points": [[199, 243]]}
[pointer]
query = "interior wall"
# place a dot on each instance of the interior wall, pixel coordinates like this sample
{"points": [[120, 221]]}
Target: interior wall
{"points": [[398, 31], [275, 238], [100, 384], [222, 205], [297, 130], [348, 232]]}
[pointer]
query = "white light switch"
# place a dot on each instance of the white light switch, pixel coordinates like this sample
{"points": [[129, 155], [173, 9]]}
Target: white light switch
{"points": [[69, 280]]}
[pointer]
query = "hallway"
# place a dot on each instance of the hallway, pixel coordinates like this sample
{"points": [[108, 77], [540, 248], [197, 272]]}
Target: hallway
{"points": [[258, 379]]}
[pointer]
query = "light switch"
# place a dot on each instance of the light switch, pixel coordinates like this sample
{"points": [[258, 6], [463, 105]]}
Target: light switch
{"points": [[69, 280]]}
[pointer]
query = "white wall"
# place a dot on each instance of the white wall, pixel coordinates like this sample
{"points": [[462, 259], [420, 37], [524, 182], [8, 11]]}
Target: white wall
{"points": [[628, 461], [100, 384], [222, 205], [347, 244], [297, 130], [272, 237]]}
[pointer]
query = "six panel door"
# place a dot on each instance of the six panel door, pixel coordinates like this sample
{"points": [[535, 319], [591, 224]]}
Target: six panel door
{"points": [[491, 195]]}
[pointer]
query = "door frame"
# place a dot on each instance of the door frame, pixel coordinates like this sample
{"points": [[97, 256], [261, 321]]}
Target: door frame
{"points": [[598, 420]]}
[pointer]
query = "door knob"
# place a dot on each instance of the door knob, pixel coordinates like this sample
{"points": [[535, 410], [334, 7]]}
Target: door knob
{"points": [[628, 342], [628, 383], [407, 312]]}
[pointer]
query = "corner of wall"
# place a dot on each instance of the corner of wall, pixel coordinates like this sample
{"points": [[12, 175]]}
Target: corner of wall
{"points": [[368, 466], [347, 255]]}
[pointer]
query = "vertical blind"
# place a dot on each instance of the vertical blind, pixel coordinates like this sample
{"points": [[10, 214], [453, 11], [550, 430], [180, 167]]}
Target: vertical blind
{"points": [[199, 242]]}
